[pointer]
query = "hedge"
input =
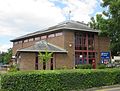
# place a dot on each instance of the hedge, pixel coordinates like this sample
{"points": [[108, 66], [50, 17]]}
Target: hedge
{"points": [[84, 66], [101, 66], [59, 80]]}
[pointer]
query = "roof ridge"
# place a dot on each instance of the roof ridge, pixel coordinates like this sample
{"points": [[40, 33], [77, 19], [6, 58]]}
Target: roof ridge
{"points": [[69, 24]]}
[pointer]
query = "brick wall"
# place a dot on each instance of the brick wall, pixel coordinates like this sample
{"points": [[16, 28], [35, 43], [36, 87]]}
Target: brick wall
{"points": [[60, 60], [104, 43], [58, 41], [27, 61], [97, 54], [16, 47], [101, 45], [69, 40], [21, 45]]}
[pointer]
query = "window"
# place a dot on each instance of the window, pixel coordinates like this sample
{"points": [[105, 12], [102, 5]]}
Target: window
{"points": [[26, 40], [43, 37], [20, 41], [31, 39], [80, 61], [77, 60], [85, 61], [90, 44], [80, 58], [36, 63], [84, 55], [90, 41], [51, 35], [80, 41], [37, 38], [91, 54], [84, 47], [90, 35], [16, 43], [59, 34]]}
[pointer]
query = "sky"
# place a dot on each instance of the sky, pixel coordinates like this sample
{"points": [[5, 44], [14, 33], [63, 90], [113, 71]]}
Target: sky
{"points": [[19, 17]]}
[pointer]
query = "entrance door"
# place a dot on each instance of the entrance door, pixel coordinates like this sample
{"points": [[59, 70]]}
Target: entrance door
{"points": [[36, 62], [51, 64], [90, 61], [44, 65]]}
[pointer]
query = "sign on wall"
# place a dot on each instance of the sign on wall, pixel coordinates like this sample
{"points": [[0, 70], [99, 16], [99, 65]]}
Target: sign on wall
{"points": [[105, 55]]}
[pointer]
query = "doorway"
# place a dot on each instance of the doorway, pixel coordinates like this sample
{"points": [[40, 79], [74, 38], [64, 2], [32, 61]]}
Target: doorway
{"points": [[51, 64], [36, 62], [90, 61]]}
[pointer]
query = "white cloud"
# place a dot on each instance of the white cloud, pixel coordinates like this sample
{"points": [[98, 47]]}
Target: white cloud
{"points": [[20, 14], [81, 9], [18, 17], [5, 47], [101, 1]]}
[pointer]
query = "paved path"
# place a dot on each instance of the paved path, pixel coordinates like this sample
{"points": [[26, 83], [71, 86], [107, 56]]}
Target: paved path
{"points": [[110, 89], [2, 72]]}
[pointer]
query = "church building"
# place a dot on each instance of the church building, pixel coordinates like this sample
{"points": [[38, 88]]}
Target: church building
{"points": [[71, 42]]}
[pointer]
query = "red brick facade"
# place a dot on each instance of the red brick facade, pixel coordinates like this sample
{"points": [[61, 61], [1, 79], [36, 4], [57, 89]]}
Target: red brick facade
{"points": [[60, 60]]}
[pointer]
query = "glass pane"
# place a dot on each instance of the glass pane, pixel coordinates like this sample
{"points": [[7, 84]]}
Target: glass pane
{"points": [[81, 61], [91, 54], [85, 61], [84, 54], [91, 44]]}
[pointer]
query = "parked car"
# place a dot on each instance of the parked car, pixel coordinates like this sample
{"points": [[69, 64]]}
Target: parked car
{"points": [[110, 65]]}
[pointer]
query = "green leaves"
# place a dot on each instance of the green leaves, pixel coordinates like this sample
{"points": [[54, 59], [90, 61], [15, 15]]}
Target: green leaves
{"points": [[109, 24], [45, 57], [59, 80], [6, 56]]}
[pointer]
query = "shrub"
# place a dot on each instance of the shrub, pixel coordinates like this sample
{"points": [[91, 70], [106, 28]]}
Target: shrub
{"points": [[59, 80], [101, 66], [84, 66], [13, 68]]}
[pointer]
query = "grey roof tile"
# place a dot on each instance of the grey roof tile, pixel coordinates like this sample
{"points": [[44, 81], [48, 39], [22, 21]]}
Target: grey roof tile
{"points": [[43, 46], [72, 25]]}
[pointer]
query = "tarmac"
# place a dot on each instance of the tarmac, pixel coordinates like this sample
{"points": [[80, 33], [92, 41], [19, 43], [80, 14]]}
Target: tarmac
{"points": [[105, 88]]}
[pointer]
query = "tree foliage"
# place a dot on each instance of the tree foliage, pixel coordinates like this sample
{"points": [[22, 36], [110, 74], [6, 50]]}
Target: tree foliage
{"points": [[109, 23], [45, 57], [5, 57]]}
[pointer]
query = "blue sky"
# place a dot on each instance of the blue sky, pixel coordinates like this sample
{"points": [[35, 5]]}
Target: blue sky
{"points": [[19, 17]]}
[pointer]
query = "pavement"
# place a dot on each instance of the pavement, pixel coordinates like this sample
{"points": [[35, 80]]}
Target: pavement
{"points": [[2, 72], [110, 89], [105, 88]]}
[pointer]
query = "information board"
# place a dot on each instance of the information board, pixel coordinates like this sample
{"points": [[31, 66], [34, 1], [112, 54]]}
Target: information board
{"points": [[105, 55]]}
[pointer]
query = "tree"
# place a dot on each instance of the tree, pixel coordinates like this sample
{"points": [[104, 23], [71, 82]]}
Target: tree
{"points": [[5, 57], [45, 57], [111, 24], [2, 57]]}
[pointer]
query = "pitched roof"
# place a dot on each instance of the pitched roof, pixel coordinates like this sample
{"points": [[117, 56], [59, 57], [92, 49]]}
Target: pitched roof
{"points": [[42, 46], [71, 25]]}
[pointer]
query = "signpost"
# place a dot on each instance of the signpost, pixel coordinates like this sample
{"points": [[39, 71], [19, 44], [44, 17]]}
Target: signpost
{"points": [[105, 57]]}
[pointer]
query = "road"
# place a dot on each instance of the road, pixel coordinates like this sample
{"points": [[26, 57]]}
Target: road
{"points": [[110, 89]]}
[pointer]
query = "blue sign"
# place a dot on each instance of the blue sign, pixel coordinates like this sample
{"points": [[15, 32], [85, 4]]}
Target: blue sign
{"points": [[105, 55]]}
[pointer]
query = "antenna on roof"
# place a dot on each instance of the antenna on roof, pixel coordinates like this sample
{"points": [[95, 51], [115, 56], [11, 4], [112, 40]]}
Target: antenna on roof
{"points": [[68, 10], [69, 15]]}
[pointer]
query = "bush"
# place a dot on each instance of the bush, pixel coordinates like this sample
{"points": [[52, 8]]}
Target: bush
{"points": [[84, 66], [13, 68], [101, 66], [59, 80]]}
